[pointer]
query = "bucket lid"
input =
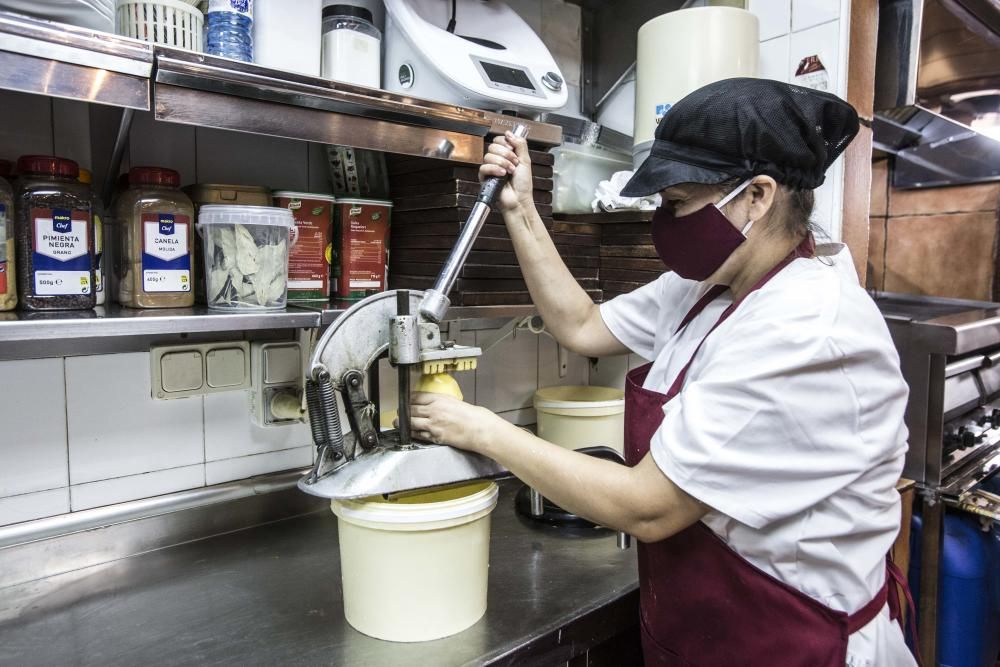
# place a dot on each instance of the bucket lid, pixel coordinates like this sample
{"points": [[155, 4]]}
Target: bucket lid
{"points": [[579, 397], [303, 195], [443, 503], [222, 214]]}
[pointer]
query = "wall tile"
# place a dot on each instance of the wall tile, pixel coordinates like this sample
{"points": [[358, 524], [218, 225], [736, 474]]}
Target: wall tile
{"points": [[634, 361], [157, 144], [609, 371], [117, 429], [230, 431], [27, 125], [880, 188], [31, 506], [134, 487], [961, 198], [876, 254], [942, 255], [523, 417], [71, 131], [775, 17], [774, 58], [33, 414], [217, 472], [234, 157], [808, 13], [507, 376], [827, 211], [577, 367], [823, 41]]}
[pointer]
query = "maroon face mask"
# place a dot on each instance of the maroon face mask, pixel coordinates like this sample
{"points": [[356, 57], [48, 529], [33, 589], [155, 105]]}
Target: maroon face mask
{"points": [[695, 245]]}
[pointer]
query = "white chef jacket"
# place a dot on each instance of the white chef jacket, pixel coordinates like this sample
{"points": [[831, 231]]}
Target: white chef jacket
{"points": [[789, 427]]}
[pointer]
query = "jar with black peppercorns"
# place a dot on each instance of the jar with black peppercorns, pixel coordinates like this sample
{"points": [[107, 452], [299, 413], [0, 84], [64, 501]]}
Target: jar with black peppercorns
{"points": [[55, 244]]}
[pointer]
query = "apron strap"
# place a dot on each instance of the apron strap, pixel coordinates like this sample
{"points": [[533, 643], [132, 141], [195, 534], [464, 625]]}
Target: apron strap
{"points": [[898, 582]]}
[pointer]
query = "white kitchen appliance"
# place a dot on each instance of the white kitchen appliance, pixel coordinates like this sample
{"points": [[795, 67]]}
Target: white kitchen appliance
{"points": [[492, 60]]}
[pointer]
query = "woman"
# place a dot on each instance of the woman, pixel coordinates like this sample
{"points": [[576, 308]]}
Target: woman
{"points": [[766, 436]]}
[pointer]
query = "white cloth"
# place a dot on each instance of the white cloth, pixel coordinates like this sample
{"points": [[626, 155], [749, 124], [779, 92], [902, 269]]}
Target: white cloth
{"points": [[789, 426], [608, 197]]}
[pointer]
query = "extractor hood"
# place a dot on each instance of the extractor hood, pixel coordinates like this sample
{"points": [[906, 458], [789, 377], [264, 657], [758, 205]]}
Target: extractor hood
{"points": [[937, 91]]}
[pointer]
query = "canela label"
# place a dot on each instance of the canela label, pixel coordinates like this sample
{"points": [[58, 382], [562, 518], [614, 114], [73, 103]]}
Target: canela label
{"points": [[166, 254], [61, 257]]}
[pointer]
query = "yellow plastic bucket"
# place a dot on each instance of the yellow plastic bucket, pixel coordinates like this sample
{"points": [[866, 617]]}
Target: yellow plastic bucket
{"points": [[579, 416], [415, 567]]}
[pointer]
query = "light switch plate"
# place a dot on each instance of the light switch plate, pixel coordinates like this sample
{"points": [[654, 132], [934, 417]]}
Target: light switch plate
{"points": [[179, 371]]}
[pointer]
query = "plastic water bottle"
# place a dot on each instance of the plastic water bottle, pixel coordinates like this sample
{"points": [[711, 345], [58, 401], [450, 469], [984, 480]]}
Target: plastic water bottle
{"points": [[229, 32]]}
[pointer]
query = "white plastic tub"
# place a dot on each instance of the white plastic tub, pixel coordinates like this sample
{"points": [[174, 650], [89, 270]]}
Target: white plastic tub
{"points": [[246, 256], [578, 416], [578, 169], [415, 567]]}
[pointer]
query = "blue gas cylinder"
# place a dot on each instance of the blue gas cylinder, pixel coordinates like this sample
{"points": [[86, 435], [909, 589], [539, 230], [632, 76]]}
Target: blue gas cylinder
{"points": [[969, 594]]}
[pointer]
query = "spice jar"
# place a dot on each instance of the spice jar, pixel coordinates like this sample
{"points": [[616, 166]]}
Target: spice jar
{"points": [[53, 232], [8, 290], [157, 242], [100, 258]]}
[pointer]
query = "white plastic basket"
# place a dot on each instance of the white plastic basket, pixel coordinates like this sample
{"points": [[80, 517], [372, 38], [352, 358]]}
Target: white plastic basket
{"points": [[167, 22]]}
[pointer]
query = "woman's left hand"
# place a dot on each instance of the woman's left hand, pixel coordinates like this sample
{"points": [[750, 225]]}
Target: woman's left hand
{"points": [[446, 420]]}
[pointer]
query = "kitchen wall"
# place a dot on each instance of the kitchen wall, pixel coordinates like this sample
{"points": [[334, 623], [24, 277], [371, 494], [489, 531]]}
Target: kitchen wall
{"points": [[84, 432], [791, 30], [934, 241]]}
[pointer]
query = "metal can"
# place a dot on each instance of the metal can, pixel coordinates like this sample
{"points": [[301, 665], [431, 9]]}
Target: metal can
{"points": [[361, 239], [311, 252]]}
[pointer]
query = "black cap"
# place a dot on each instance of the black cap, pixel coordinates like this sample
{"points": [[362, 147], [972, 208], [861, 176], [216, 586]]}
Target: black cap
{"points": [[348, 10], [739, 128]]}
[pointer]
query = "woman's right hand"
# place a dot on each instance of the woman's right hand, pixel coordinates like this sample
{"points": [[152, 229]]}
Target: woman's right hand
{"points": [[508, 156]]}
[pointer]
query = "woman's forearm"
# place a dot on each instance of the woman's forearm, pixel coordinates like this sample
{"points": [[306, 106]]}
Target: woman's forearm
{"points": [[569, 313], [639, 500]]}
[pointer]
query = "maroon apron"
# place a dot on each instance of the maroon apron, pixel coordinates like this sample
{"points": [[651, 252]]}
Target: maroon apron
{"points": [[704, 605]]}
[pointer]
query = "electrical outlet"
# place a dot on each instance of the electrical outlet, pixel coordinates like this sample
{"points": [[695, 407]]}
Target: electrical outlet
{"points": [[179, 371], [277, 371]]}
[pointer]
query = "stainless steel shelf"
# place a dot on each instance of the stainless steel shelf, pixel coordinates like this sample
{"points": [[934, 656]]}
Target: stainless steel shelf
{"points": [[59, 60], [194, 88], [115, 321], [111, 329], [204, 90]]}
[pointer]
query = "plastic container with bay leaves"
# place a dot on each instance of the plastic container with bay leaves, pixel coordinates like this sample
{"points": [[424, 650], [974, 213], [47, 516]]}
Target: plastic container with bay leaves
{"points": [[156, 230], [246, 256]]}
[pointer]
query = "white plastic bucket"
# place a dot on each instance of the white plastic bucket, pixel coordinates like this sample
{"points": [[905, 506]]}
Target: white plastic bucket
{"points": [[580, 416], [415, 567]]}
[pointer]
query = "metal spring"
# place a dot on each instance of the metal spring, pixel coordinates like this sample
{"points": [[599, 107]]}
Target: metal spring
{"points": [[316, 422], [329, 414]]}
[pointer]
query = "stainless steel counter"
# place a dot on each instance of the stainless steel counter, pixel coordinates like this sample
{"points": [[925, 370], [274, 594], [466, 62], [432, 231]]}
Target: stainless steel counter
{"points": [[271, 595]]}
